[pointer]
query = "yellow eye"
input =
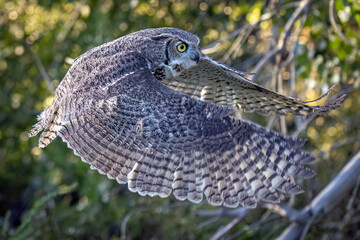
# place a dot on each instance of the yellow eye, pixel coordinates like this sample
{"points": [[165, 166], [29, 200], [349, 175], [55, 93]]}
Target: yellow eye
{"points": [[181, 47]]}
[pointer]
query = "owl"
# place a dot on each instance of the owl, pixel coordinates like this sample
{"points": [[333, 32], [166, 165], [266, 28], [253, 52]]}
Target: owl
{"points": [[150, 110]]}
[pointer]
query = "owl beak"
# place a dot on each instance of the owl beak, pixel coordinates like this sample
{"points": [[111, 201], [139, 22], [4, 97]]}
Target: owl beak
{"points": [[195, 57]]}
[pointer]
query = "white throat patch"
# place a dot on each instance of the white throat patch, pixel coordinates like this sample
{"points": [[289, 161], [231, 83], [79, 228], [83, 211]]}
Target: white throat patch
{"points": [[177, 66]]}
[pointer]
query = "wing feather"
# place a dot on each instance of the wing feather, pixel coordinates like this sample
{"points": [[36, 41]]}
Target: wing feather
{"points": [[215, 82]]}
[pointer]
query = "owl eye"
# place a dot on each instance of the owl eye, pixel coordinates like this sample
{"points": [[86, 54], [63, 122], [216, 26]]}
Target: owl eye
{"points": [[181, 47]]}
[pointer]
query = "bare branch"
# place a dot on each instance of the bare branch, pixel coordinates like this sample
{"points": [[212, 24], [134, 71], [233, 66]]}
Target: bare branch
{"points": [[222, 230], [61, 36], [124, 223], [325, 200], [41, 68], [256, 225], [213, 47], [339, 143], [304, 124], [224, 212], [294, 43], [311, 117], [236, 45], [284, 35], [349, 207], [334, 25], [285, 211], [237, 214], [208, 222]]}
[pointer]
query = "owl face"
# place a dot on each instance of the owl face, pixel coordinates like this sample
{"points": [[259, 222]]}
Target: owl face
{"points": [[172, 50], [180, 52]]}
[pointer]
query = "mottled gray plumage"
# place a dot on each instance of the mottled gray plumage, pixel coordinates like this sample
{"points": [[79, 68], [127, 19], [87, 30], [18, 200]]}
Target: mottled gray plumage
{"points": [[124, 107]]}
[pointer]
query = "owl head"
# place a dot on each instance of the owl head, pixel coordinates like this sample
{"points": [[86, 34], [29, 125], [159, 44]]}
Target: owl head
{"points": [[168, 48]]}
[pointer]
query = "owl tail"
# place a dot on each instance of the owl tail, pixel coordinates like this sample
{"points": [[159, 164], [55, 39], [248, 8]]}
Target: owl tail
{"points": [[50, 122]]}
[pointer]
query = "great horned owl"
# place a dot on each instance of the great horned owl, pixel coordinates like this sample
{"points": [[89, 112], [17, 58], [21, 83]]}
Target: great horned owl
{"points": [[149, 109]]}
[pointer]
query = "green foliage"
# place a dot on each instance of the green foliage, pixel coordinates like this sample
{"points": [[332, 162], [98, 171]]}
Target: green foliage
{"points": [[49, 194], [26, 228]]}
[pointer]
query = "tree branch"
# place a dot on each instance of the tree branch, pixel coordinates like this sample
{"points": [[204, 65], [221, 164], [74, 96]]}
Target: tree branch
{"points": [[283, 36], [222, 230], [333, 24], [41, 68], [213, 47], [325, 200], [224, 212]]}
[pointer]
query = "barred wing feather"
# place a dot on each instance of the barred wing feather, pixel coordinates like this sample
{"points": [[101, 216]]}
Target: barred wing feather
{"points": [[218, 83], [160, 141]]}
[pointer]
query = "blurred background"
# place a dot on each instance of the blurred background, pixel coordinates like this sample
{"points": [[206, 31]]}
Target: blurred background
{"points": [[50, 194]]}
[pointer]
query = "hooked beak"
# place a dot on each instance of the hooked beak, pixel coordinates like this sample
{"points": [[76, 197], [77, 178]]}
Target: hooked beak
{"points": [[195, 57]]}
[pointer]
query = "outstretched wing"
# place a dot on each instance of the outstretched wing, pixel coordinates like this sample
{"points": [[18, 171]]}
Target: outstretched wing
{"points": [[159, 141], [215, 82]]}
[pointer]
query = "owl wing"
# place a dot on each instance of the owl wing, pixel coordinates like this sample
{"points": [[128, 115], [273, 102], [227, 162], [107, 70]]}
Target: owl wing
{"points": [[218, 83], [159, 141]]}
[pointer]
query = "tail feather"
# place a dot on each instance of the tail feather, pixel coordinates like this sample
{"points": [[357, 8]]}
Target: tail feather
{"points": [[49, 121], [50, 132]]}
